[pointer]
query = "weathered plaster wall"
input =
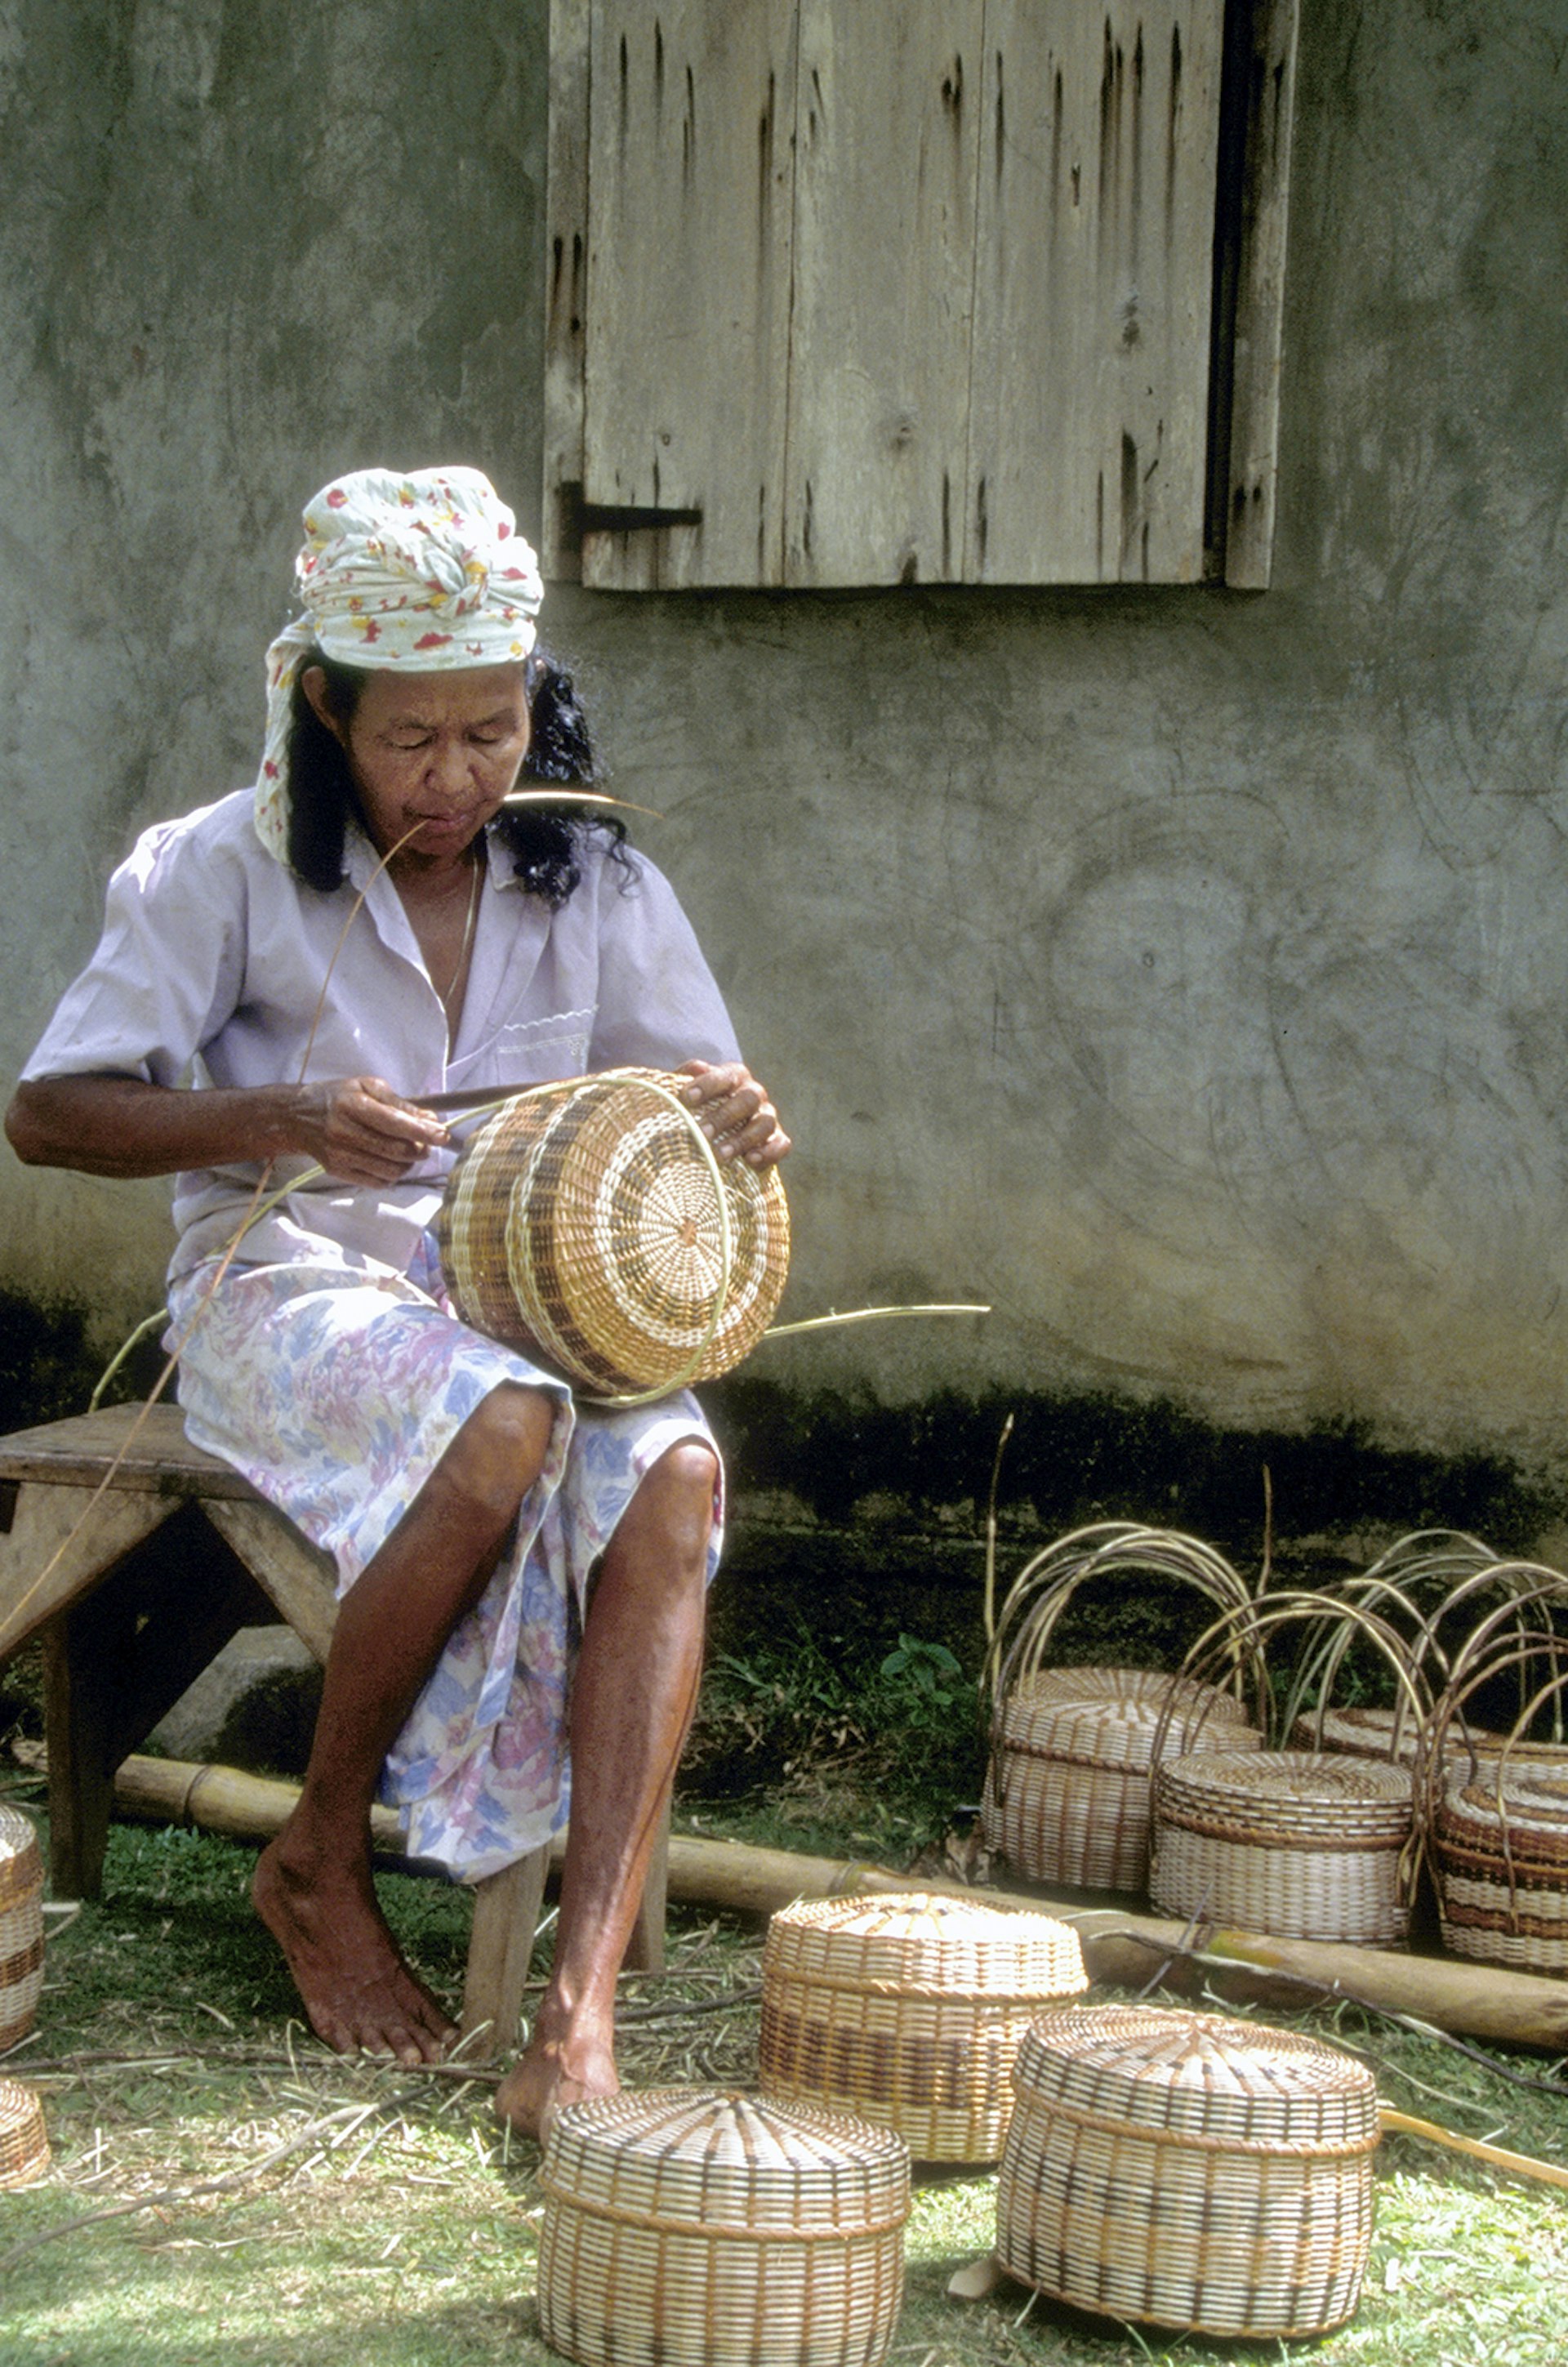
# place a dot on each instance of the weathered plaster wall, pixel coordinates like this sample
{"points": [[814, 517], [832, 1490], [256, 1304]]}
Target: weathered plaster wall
{"points": [[1183, 973]]}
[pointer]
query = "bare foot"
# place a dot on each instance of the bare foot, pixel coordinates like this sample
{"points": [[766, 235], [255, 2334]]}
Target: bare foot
{"points": [[552, 2072], [358, 1992]]}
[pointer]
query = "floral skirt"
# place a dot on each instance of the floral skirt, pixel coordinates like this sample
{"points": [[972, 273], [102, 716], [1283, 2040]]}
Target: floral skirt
{"points": [[336, 1388]]}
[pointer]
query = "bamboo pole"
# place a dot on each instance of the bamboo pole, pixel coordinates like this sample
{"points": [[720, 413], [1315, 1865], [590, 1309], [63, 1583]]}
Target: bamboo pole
{"points": [[1485, 2001]]}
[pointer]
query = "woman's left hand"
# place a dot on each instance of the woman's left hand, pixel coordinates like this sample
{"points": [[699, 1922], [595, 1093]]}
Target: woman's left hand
{"points": [[734, 1112]]}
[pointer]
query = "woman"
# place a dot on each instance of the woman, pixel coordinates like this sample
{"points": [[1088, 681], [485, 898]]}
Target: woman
{"points": [[369, 927]]}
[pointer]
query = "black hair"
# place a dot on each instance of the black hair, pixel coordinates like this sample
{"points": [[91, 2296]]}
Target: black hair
{"points": [[547, 847]]}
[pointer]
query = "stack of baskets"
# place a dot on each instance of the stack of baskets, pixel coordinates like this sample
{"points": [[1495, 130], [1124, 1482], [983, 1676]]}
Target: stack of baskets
{"points": [[1306, 1846], [1189, 2171], [21, 1926], [589, 1224], [909, 2011], [1067, 1791], [684, 2228]]}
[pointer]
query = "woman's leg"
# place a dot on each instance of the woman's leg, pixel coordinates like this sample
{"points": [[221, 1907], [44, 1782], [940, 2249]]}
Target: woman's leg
{"points": [[632, 1698], [312, 1886]]}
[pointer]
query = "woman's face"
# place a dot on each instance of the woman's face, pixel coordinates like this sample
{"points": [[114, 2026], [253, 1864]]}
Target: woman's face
{"points": [[432, 754]]}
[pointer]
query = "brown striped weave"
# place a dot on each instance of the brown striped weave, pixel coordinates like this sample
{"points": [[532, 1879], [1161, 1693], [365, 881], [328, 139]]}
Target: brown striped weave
{"points": [[581, 1224], [21, 1926]]}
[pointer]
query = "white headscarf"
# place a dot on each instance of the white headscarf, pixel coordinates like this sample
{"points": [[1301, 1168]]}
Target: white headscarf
{"points": [[425, 572]]}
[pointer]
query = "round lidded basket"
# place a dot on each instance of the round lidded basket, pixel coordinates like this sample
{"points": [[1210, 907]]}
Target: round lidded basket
{"points": [[1068, 1789], [1368, 1733], [692, 2228], [1302, 1844], [1500, 1859], [1189, 2171], [909, 2009], [21, 1926], [583, 1224], [24, 2143]]}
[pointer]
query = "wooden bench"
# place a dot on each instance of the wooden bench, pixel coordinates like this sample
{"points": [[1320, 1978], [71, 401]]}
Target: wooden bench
{"points": [[136, 1589]]}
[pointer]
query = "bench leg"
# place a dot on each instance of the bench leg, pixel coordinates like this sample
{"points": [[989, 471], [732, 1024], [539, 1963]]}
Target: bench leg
{"points": [[506, 1916], [86, 1651]]}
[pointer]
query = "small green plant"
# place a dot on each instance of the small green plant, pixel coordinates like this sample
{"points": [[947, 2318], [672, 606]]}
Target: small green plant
{"points": [[930, 1670]]}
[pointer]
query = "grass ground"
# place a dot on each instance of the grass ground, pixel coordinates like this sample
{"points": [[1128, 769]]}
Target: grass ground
{"points": [[291, 2209]]}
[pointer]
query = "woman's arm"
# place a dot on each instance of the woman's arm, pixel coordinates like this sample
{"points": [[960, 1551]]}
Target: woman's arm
{"points": [[357, 1128]]}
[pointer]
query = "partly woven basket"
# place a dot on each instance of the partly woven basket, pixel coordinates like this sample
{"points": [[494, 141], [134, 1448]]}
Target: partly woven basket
{"points": [[24, 2144], [21, 1926], [1306, 1845], [583, 1224], [1500, 1857], [1068, 1789], [684, 2228], [909, 2011], [1189, 2170]]}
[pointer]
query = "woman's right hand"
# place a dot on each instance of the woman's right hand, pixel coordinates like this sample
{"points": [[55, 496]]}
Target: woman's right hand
{"points": [[360, 1131], [356, 1128]]}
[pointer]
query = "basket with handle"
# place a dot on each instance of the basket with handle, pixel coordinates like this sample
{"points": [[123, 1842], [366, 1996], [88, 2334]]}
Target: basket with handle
{"points": [[1189, 2171], [1065, 1797], [1499, 1818], [589, 1224], [691, 2228], [1307, 1845], [21, 1926], [909, 2009]]}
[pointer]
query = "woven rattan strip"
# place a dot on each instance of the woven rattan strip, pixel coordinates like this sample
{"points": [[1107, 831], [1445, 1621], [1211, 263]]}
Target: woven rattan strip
{"points": [[1305, 1845], [21, 1926], [1068, 1789], [1500, 1852], [909, 2009], [1188, 2171], [689, 2228], [24, 2144], [582, 1223]]}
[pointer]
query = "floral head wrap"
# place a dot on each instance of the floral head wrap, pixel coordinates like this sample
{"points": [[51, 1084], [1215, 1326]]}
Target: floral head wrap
{"points": [[425, 572]]}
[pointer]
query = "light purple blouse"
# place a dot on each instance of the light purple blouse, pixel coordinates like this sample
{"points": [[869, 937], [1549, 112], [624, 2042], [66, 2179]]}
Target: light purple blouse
{"points": [[212, 964]]}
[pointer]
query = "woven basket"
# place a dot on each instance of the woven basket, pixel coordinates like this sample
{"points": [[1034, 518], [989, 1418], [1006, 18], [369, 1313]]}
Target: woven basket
{"points": [[1500, 1856], [1368, 1734], [581, 1224], [21, 1926], [688, 2228], [1189, 2170], [1306, 1845], [909, 2011], [24, 2144], [1068, 1789]]}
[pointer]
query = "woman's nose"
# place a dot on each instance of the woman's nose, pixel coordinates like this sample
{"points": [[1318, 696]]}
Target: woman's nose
{"points": [[448, 768]]}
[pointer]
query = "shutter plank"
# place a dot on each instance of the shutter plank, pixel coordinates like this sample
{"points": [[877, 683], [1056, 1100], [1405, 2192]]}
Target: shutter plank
{"points": [[888, 131], [689, 194], [565, 267], [1261, 297], [1088, 425]]}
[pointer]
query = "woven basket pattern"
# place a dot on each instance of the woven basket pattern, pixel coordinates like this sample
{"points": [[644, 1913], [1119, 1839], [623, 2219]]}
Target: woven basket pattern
{"points": [[21, 1926], [909, 2011], [1189, 2171], [1368, 1734], [1500, 1849], [1306, 1846], [24, 2144], [1068, 1789], [583, 1225], [683, 2226]]}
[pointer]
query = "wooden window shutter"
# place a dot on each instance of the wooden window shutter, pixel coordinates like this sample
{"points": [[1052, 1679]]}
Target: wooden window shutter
{"points": [[842, 295]]}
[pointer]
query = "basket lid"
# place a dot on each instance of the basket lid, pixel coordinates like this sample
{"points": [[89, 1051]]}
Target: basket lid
{"points": [[17, 1837], [1328, 1798], [922, 1944], [1109, 1717], [1532, 1798], [708, 2157], [1200, 2074]]}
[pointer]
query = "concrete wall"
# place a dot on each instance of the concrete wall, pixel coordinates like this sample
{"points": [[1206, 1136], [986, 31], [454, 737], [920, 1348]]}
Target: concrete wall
{"points": [[1183, 973]]}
